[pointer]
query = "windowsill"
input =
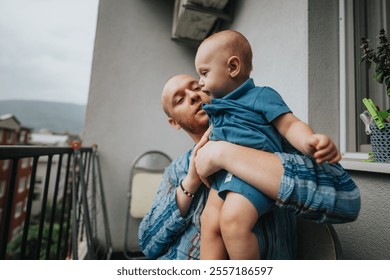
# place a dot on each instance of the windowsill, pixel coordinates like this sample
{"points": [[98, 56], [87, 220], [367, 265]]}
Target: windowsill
{"points": [[362, 165]]}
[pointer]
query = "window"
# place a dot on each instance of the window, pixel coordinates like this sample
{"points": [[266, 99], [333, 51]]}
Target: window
{"points": [[362, 18], [28, 182], [25, 204], [25, 162], [18, 209], [36, 196], [10, 136], [5, 164], [22, 184], [2, 188], [23, 136]]}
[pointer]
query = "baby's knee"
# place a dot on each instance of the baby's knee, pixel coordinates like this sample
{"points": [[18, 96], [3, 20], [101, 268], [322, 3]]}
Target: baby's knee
{"points": [[233, 223]]}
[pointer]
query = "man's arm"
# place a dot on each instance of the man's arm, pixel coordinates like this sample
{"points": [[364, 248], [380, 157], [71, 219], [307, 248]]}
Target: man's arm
{"points": [[260, 169], [164, 223], [191, 183], [309, 194]]}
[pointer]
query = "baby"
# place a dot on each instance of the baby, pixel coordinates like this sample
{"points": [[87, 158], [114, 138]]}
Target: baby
{"points": [[252, 116]]}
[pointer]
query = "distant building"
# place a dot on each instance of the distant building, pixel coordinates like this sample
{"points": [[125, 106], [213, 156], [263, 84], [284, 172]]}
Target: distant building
{"points": [[13, 133], [47, 138]]}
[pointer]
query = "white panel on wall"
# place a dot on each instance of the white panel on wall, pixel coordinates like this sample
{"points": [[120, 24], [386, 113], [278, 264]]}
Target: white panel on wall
{"points": [[278, 33]]}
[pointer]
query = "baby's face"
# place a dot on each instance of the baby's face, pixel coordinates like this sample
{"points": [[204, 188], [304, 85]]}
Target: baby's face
{"points": [[212, 67]]}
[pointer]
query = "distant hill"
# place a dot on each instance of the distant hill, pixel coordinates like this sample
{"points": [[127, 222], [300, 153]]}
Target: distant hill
{"points": [[55, 116]]}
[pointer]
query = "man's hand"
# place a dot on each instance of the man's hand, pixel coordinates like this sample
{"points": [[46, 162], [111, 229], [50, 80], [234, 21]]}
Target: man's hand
{"points": [[207, 156], [323, 148]]}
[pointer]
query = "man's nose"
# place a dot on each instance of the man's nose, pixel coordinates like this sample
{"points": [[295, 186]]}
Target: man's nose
{"points": [[194, 96]]}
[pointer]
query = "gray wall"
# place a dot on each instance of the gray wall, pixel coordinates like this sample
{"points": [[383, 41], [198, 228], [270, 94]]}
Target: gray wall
{"points": [[295, 46], [133, 57], [368, 238], [277, 31]]}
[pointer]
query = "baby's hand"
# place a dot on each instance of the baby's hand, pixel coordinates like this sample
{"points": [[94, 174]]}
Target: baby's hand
{"points": [[323, 148], [203, 141]]}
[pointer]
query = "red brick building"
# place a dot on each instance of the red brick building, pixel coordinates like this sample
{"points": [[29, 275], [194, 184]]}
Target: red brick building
{"points": [[12, 133]]}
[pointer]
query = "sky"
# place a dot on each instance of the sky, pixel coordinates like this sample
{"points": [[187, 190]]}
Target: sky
{"points": [[46, 49]]}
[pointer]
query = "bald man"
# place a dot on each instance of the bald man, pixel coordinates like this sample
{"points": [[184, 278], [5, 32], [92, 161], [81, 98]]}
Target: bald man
{"points": [[171, 228]]}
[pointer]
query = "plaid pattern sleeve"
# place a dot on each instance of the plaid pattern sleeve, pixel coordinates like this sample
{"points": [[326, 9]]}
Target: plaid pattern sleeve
{"points": [[323, 193]]}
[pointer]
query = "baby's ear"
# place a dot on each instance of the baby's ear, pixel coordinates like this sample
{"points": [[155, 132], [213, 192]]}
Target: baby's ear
{"points": [[234, 65]]}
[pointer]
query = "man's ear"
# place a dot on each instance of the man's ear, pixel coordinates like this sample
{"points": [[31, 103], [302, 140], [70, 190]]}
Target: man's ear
{"points": [[234, 65], [174, 123]]}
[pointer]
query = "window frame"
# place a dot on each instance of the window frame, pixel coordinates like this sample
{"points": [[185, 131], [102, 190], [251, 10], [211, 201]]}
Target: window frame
{"points": [[350, 160], [351, 130]]}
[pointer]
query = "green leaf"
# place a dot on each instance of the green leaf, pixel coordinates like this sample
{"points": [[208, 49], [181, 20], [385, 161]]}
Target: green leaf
{"points": [[380, 57], [378, 76], [383, 115]]}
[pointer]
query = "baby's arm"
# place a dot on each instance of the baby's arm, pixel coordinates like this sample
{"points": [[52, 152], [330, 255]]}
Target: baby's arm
{"points": [[302, 137]]}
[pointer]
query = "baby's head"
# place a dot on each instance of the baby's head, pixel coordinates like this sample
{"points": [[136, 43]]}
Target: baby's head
{"points": [[223, 62]]}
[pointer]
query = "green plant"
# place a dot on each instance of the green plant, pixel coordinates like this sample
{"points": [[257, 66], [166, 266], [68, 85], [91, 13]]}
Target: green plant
{"points": [[14, 247], [381, 58]]}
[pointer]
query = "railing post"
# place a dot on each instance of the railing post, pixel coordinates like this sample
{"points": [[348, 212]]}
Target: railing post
{"points": [[103, 202], [63, 211], [53, 208], [78, 160], [29, 206], [43, 207]]}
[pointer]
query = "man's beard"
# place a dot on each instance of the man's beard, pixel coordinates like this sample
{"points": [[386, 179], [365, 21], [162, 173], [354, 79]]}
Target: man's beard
{"points": [[194, 127]]}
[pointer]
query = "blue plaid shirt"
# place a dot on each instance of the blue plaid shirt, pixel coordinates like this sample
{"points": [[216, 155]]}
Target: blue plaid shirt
{"points": [[164, 234]]}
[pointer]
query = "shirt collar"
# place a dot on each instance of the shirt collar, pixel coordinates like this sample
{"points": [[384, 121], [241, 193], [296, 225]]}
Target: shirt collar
{"points": [[245, 87]]}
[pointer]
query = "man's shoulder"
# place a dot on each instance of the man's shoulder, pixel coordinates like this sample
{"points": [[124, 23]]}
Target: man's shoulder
{"points": [[182, 161]]}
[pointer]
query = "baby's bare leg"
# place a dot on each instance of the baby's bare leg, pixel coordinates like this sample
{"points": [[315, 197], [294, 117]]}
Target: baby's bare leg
{"points": [[211, 243], [237, 218]]}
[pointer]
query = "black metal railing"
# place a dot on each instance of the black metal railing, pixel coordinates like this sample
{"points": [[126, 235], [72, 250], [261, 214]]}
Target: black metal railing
{"points": [[63, 215]]}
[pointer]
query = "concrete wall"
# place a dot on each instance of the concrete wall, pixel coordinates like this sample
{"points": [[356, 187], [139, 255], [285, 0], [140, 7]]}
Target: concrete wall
{"points": [[133, 57], [295, 46], [277, 31], [368, 238]]}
